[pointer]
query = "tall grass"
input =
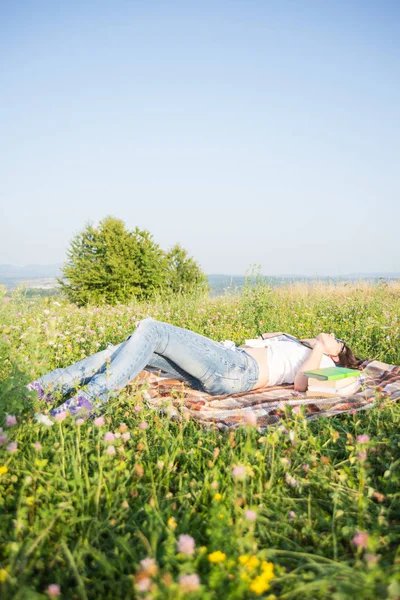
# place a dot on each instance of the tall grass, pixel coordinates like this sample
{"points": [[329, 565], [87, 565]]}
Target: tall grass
{"points": [[304, 510]]}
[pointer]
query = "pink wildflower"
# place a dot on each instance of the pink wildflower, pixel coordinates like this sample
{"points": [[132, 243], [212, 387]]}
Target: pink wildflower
{"points": [[306, 467], [110, 450], [61, 416], [363, 438], [361, 539], [186, 544], [189, 583], [37, 446], [371, 559], [239, 472], [149, 566], [126, 436], [296, 410], [99, 421], [137, 408], [160, 464], [3, 439], [143, 584], [362, 455], [11, 420], [250, 515], [53, 590], [291, 515], [80, 421], [13, 447], [109, 436], [250, 419], [143, 425]]}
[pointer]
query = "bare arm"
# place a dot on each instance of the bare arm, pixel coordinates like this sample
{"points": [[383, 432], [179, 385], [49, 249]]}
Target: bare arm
{"points": [[312, 362]]}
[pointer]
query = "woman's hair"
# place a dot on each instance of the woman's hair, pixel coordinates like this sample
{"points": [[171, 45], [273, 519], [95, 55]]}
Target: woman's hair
{"points": [[348, 359]]}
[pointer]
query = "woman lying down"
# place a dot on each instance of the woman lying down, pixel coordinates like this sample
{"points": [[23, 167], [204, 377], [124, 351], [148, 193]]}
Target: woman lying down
{"points": [[218, 368]]}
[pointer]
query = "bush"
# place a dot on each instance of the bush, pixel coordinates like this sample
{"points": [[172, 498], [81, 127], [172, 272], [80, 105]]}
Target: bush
{"points": [[109, 264]]}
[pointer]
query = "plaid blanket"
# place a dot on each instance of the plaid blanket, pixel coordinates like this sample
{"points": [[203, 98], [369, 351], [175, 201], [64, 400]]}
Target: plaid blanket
{"points": [[380, 383]]}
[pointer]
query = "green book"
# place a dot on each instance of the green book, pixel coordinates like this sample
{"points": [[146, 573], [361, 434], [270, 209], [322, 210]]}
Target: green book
{"points": [[331, 373]]}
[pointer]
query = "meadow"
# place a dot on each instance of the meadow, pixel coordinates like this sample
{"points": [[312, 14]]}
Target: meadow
{"points": [[136, 505]]}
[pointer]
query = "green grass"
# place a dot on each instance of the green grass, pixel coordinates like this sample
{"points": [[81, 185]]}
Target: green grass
{"points": [[71, 514]]}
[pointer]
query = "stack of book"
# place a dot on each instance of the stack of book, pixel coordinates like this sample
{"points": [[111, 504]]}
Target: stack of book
{"points": [[333, 381]]}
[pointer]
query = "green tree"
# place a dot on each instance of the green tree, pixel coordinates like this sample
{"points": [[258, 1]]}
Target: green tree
{"points": [[110, 264], [184, 274]]}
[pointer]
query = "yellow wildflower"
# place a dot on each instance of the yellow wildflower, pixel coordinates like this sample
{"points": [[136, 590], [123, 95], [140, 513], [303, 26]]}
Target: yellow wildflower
{"points": [[244, 577], [217, 557], [3, 575], [259, 585], [221, 516], [243, 558], [267, 569], [3, 470], [29, 500], [252, 563], [218, 497], [172, 523]]}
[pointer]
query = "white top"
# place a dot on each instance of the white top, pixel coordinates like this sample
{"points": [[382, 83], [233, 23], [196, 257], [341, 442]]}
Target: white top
{"points": [[286, 358]]}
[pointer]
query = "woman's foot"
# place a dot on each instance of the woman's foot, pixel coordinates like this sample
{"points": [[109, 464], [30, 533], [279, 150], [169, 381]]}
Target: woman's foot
{"points": [[81, 403], [35, 386]]}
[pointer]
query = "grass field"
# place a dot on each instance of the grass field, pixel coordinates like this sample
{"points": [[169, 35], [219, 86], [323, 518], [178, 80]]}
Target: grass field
{"points": [[139, 506]]}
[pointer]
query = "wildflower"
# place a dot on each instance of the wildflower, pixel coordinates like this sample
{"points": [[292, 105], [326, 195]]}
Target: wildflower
{"points": [[239, 472], [143, 425], [186, 544], [217, 557], [361, 539], [12, 447], [124, 504], [11, 420], [60, 416], [53, 590], [371, 559], [172, 524], [37, 446], [80, 421], [139, 470], [143, 584], [123, 427], [109, 436], [250, 515], [3, 470], [3, 439], [126, 436], [218, 497], [3, 575], [306, 467], [99, 421], [117, 435], [363, 438], [291, 480], [296, 410], [189, 583], [362, 456], [137, 408], [110, 450], [160, 464], [291, 515], [214, 485], [250, 419], [148, 565]]}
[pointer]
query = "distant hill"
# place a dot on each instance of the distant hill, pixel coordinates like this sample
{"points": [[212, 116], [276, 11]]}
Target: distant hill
{"points": [[30, 271], [44, 277]]}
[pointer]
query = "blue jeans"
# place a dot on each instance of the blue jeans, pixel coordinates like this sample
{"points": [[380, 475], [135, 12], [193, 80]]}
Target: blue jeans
{"points": [[188, 356]]}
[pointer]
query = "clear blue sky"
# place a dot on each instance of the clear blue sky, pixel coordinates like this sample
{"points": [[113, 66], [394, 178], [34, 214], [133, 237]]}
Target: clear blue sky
{"points": [[252, 132]]}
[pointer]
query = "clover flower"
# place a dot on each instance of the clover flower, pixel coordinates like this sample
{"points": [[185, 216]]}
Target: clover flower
{"points": [[189, 583], [186, 544]]}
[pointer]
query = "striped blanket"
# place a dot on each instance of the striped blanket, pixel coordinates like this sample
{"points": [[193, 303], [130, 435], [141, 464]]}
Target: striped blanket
{"points": [[380, 383]]}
